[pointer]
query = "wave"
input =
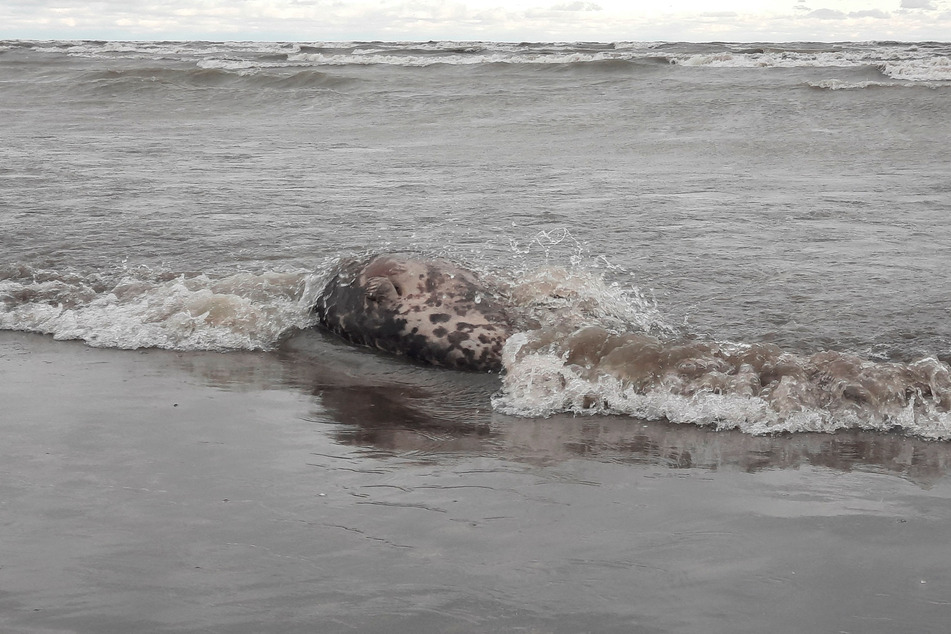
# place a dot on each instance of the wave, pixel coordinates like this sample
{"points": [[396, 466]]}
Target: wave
{"points": [[196, 78], [154, 78], [587, 346], [580, 362], [604, 350], [897, 61], [142, 308], [930, 69], [908, 63], [764, 58], [844, 84], [758, 389], [892, 74], [384, 57]]}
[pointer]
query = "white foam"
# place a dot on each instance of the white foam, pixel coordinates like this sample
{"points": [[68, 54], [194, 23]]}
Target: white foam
{"points": [[544, 384], [563, 298], [837, 84], [900, 64], [922, 70], [784, 59], [243, 311], [244, 67], [375, 57]]}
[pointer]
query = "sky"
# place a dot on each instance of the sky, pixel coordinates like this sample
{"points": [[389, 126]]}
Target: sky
{"points": [[490, 20]]}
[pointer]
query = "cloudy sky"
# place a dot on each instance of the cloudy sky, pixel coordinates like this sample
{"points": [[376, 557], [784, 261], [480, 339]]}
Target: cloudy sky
{"points": [[498, 20]]}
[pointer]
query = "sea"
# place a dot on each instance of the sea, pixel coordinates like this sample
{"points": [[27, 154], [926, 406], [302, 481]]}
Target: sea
{"points": [[725, 407], [746, 237]]}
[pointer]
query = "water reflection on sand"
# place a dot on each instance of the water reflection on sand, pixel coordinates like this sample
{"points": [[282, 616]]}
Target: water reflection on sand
{"points": [[397, 408]]}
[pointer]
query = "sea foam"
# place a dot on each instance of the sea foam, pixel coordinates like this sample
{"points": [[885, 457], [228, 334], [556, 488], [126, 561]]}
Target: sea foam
{"points": [[142, 310], [599, 351]]}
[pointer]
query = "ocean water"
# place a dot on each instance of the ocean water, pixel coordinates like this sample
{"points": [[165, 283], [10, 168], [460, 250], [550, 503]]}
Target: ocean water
{"points": [[747, 237]]}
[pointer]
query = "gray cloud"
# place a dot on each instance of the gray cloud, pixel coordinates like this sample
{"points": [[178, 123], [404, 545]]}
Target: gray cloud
{"points": [[827, 14], [872, 13], [917, 4], [832, 14], [577, 6]]}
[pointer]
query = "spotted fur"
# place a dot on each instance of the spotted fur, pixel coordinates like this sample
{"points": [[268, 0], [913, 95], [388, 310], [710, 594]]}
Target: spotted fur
{"points": [[430, 310]]}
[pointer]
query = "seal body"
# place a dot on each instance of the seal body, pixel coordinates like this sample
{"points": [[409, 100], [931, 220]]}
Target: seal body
{"points": [[429, 310]]}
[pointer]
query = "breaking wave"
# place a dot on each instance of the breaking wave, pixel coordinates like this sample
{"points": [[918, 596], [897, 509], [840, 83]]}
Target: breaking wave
{"points": [[146, 309], [609, 353], [894, 61], [588, 346], [209, 75]]}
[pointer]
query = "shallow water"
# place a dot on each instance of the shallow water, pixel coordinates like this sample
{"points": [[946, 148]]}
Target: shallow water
{"points": [[196, 195], [161, 491]]}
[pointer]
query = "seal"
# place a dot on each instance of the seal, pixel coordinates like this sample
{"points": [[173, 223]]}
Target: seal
{"points": [[429, 310]]}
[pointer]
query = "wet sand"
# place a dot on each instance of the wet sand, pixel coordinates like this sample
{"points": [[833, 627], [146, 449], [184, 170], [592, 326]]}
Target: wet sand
{"points": [[155, 491]]}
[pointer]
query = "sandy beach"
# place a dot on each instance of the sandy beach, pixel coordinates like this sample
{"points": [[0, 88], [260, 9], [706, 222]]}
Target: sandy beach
{"points": [[158, 491]]}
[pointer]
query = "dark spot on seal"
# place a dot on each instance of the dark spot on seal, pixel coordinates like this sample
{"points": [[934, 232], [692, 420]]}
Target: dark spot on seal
{"points": [[439, 318], [457, 337], [483, 339], [440, 332], [465, 326]]}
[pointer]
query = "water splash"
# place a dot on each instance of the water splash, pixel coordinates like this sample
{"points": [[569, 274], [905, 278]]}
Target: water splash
{"points": [[141, 308], [755, 388]]}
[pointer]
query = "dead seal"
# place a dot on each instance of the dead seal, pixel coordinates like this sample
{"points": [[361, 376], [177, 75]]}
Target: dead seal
{"points": [[429, 310]]}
